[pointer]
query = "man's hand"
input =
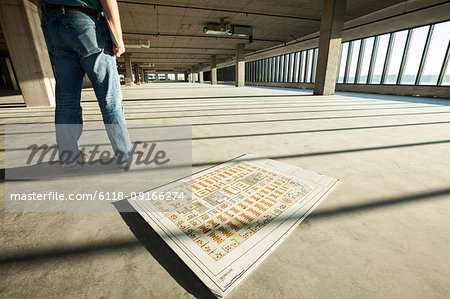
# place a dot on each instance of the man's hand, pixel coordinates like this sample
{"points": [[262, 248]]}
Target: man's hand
{"points": [[112, 13], [120, 49]]}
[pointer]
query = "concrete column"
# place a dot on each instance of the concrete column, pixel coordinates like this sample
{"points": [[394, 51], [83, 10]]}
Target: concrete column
{"points": [[8, 71], [167, 76], [136, 74], [128, 70], [333, 14], [213, 70], [240, 65], [157, 77], [176, 76], [143, 79], [200, 77], [21, 25]]}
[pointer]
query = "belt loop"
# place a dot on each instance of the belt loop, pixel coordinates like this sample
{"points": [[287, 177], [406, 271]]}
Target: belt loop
{"points": [[63, 10]]}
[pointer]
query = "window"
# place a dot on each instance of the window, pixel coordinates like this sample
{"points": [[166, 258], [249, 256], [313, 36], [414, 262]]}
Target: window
{"points": [[353, 62], [344, 53], [261, 70], [269, 78], [446, 74], [266, 69], [301, 77], [277, 69], [297, 62], [291, 67], [366, 54], [286, 68], [308, 68], [414, 55], [281, 75], [313, 75], [379, 59], [436, 54], [394, 59], [417, 56]]}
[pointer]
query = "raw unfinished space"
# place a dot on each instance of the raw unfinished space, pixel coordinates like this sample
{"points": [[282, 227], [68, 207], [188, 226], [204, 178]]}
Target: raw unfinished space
{"points": [[384, 231]]}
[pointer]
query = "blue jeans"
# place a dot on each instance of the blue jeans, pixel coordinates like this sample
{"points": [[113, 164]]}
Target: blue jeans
{"points": [[80, 44]]}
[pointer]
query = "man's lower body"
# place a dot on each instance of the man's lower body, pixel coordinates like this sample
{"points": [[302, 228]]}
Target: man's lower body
{"points": [[80, 44]]}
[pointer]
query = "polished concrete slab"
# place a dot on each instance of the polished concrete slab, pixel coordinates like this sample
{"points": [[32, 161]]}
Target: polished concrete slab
{"points": [[383, 232]]}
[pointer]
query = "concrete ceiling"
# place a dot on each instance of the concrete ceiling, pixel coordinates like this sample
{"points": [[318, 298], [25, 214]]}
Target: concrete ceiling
{"points": [[175, 28]]}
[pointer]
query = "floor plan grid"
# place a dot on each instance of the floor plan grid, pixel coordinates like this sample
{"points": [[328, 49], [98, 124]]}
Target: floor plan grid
{"points": [[232, 203]]}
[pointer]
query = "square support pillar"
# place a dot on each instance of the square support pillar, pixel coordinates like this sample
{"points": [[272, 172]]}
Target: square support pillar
{"points": [[240, 65], [143, 80], [136, 74], [128, 70], [200, 77], [333, 14], [21, 24], [213, 70]]}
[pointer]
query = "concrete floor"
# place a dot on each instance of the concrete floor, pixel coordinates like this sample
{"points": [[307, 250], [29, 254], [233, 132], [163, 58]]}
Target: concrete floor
{"points": [[383, 233]]}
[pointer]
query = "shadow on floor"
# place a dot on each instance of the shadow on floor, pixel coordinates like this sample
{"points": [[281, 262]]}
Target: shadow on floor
{"points": [[163, 254]]}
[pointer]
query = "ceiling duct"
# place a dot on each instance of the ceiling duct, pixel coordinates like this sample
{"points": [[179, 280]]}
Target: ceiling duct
{"points": [[137, 44], [225, 28], [221, 28], [244, 31]]}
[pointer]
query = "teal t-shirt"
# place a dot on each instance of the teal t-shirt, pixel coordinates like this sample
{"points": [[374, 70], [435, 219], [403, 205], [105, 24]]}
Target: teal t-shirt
{"points": [[92, 4]]}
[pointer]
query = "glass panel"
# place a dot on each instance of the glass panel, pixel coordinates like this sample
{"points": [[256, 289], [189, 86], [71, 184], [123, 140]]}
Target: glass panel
{"points": [[309, 65], [354, 61], [266, 69], [291, 67], [365, 63], [380, 58], [398, 48], [302, 66], [436, 54], [258, 70], [414, 57], [261, 70], [297, 63], [316, 53], [278, 69], [270, 68], [446, 81], [344, 52]]}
